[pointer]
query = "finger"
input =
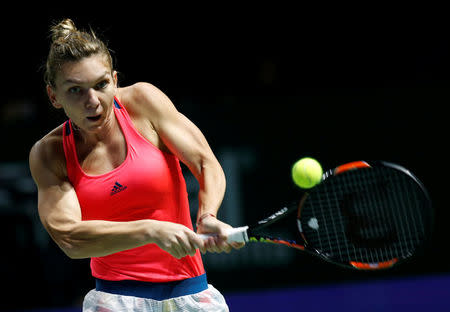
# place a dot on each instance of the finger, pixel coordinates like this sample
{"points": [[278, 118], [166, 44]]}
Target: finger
{"points": [[192, 249], [226, 248], [175, 252], [185, 246], [209, 244], [237, 245], [172, 249], [199, 243], [216, 245], [203, 248], [220, 244], [193, 243], [223, 236]]}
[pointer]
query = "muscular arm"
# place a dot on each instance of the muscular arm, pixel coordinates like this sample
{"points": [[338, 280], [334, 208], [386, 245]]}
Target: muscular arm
{"points": [[60, 214], [186, 142], [189, 145]]}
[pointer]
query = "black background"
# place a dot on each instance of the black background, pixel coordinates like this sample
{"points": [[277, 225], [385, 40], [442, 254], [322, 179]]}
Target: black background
{"points": [[335, 83]]}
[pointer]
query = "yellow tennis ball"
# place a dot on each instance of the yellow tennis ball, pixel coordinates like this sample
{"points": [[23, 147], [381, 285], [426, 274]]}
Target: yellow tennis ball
{"points": [[307, 172]]}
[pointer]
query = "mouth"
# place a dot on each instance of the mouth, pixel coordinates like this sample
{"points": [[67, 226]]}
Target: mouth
{"points": [[94, 118]]}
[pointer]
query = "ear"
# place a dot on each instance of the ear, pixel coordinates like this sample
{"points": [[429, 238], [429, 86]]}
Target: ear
{"points": [[115, 78], [52, 96]]}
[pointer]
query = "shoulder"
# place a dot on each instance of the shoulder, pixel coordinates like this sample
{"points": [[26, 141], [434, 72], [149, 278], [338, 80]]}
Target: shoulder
{"points": [[47, 154], [146, 99], [142, 91]]}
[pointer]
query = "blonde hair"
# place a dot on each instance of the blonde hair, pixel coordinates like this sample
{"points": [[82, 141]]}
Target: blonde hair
{"points": [[71, 44]]}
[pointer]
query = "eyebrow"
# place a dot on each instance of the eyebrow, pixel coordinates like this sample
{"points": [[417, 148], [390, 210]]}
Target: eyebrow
{"points": [[76, 81]]}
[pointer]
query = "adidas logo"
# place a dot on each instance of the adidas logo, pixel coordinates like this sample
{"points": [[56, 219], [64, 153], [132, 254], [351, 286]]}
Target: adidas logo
{"points": [[117, 188]]}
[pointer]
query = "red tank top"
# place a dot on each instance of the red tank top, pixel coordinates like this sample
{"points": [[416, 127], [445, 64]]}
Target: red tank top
{"points": [[149, 184]]}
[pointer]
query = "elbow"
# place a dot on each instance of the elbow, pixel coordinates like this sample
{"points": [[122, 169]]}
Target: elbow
{"points": [[65, 238], [71, 250]]}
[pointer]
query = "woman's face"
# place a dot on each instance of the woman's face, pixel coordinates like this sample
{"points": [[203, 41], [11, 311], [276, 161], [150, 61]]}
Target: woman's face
{"points": [[85, 89]]}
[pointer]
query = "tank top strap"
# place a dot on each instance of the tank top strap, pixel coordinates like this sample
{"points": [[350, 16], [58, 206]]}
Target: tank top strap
{"points": [[120, 110], [69, 150], [130, 132]]}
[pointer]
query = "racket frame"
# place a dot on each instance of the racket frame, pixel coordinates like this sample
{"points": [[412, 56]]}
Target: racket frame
{"points": [[249, 233]]}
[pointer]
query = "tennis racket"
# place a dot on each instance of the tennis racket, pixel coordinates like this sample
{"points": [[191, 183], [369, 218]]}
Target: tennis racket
{"points": [[366, 216]]}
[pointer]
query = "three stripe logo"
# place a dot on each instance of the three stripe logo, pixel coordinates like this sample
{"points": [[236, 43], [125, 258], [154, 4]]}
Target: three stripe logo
{"points": [[117, 188]]}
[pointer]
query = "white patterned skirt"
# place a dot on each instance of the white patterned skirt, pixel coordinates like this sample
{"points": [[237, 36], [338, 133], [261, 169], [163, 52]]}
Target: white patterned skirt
{"points": [[125, 296]]}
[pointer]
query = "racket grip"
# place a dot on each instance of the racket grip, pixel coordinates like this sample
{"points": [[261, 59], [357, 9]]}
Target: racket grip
{"points": [[238, 235]]}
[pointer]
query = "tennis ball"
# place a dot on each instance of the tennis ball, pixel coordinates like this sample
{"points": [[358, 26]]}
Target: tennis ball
{"points": [[307, 172]]}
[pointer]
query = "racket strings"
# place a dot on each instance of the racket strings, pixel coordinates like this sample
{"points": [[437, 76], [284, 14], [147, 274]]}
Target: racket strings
{"points": [[370, 215]]}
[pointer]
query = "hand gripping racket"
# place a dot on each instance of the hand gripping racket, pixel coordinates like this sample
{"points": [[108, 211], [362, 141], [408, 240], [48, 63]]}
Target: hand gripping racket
{"points": [[367, 216]]}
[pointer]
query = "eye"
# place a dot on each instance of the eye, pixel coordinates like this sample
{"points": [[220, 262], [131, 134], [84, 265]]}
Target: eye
{"points": [[74, 90], [101, 85]]}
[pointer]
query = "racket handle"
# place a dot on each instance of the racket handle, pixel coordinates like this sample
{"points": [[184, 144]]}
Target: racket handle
{"points": [[238, 235]]}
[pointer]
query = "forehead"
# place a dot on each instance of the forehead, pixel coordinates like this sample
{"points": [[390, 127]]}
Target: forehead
{"points": [[85, 70]]}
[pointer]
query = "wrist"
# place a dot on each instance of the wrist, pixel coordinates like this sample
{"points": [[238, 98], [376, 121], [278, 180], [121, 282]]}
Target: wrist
{"points": [[204, 216], [154, 231]]}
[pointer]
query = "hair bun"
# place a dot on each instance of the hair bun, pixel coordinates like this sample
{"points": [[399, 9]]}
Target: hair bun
{"points": [[63, 29], [71, 44]]}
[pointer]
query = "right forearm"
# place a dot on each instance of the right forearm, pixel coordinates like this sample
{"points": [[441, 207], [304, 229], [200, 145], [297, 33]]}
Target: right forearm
{"points": [[96, 238]]}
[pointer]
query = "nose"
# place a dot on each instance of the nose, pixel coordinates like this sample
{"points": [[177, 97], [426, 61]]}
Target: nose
{"points": [[92, 99]]}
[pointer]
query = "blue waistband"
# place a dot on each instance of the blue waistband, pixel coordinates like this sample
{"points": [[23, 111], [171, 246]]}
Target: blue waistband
{"points": [[156, 291]]}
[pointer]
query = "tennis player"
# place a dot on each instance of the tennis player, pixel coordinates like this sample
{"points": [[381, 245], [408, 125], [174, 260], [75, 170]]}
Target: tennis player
{"points": [[110, 185]]}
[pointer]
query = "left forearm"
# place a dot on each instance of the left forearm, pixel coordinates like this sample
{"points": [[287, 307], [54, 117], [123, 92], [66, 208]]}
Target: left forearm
{"points": [[212, 187]]}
